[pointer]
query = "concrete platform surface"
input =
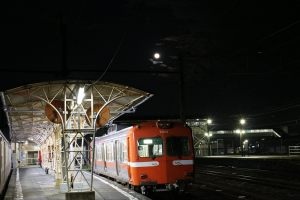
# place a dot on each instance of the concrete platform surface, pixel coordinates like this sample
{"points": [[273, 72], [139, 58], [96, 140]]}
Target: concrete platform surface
{"points": [[31, 183]]}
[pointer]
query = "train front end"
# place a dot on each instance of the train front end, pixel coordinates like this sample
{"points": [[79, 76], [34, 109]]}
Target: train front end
{"points": [[164, 157]]}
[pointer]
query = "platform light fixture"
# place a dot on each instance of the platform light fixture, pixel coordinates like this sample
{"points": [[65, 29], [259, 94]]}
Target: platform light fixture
{"points": [[80, 95]]}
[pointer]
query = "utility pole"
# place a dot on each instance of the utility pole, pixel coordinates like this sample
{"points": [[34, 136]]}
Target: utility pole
{"points": [[181, 88]]}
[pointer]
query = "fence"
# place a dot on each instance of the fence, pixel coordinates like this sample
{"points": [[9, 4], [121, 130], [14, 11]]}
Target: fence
{"points": [[294, 150]]}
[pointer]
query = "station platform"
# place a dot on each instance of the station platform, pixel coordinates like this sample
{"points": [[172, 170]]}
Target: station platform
{"points": [[32, 183]]}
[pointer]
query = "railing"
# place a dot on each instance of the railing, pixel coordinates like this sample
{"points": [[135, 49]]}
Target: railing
{"points": [[294, 150]]}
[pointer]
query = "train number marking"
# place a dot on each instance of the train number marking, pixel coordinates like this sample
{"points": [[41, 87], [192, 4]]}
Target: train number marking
{"points": [[183, 162]]}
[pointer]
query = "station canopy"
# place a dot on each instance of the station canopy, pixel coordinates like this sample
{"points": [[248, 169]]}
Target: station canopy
{"points": [[26, 105]]}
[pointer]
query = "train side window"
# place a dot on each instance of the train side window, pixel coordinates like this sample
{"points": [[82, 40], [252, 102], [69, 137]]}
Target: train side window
{"points": [[125, 154], [109, 152], [98, 152], [121, 151], [103, 151], [106, 152], [150, 147]]}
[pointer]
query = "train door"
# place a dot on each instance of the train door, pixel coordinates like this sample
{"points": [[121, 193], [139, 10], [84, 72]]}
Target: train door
{"points": [[117, 156], [128, 157], [103, 156]]}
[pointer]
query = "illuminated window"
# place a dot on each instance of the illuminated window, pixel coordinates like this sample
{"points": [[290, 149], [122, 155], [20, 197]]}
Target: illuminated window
{"points": [[150, 147]]}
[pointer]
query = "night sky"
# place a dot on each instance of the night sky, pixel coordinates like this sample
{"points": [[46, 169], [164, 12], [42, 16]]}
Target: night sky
{"points": [[236, 58]]}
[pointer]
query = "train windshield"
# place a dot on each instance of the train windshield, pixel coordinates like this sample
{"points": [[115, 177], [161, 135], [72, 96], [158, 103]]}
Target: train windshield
{"points": [[150, 147], [177, 146]]}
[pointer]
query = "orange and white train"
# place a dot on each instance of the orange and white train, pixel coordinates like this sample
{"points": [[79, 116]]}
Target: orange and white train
{"points": [[149, 156]]}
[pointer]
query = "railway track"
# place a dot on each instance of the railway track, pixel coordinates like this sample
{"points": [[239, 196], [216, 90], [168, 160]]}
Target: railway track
{"points": [[247, 183], [258, 181], [231, 183], [279, 175]]}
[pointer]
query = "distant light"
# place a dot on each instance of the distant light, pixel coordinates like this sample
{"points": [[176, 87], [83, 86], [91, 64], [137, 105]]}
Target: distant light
{"points": [[242, 121], [208, 134], [209, 121], [80, 95], [243, 131], [156, 55], [237, 131], [26, 142], [245, 141]]}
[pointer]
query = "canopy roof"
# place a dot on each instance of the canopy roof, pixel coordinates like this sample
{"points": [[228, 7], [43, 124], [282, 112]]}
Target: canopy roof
{"points": [[25, 105]]}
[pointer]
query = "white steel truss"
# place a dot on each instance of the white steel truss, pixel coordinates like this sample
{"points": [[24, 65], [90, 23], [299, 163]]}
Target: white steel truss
{"points": [[26, 109]]}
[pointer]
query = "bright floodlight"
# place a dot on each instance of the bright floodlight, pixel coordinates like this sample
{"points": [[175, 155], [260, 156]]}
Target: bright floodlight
{"points": [[156, 55], [245, 141], [242, 121], [80, 95], [238, 131], [209, 121], [208, 134]]}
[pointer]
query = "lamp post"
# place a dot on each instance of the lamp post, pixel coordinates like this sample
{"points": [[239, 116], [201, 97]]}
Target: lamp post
{"points": [[245, 144], [241, 132], [208, 135]]}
